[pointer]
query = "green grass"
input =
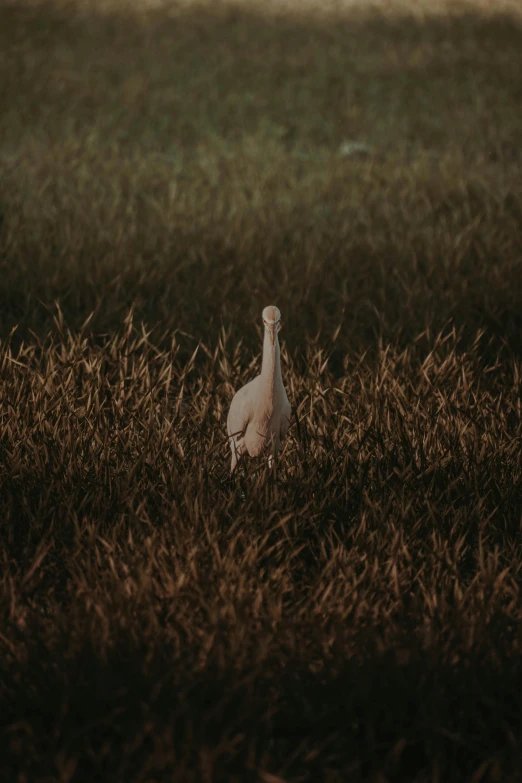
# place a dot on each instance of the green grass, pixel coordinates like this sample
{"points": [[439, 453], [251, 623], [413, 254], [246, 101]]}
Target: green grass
{"points": [[164, 175]]}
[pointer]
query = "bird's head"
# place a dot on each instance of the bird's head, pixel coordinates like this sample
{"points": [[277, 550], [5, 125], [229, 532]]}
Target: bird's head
{"points": [[272, 320]]}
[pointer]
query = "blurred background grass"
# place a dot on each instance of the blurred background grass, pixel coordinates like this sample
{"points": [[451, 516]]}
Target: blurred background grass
{"points": [[188, 158]]}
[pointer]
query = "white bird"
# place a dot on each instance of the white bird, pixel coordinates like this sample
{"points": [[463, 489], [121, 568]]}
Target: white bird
{"points": [[259, 414]]}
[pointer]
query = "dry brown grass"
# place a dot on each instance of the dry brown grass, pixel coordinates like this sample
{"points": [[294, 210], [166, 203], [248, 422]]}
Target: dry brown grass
{"points": [[163, 176]]}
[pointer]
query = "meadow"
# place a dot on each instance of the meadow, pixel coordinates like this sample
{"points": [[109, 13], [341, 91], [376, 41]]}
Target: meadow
{"points": [[166, 171]]}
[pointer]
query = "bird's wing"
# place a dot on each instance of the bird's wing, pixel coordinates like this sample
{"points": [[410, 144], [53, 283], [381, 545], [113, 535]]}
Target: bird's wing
{"points": [[241, 410], [285, 419]]}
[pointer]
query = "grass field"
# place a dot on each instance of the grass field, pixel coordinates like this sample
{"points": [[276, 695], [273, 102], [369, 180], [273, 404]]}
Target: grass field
{"points": [[166, 171]]}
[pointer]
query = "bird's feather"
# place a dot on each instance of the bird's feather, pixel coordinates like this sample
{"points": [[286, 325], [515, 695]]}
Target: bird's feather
{"points": [[259, 415]]}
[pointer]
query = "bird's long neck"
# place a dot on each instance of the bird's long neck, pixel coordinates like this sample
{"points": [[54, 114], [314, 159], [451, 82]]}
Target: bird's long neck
{"points": [[271, 366]]}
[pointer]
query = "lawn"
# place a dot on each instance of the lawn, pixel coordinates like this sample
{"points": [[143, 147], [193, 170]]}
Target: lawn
{"points": [[166, 171]]}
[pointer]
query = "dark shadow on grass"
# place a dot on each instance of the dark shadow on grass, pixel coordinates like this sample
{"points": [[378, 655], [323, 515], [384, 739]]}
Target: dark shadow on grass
{"points": [[402, 718]]}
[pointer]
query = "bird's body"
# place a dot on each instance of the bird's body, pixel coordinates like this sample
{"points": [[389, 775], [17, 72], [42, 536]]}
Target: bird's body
{"points": [[259, 414]]}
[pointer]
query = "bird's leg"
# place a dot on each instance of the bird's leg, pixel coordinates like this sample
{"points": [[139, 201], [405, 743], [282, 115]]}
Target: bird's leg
{"points": [[272, 460], [236, 456], [237, 459]]}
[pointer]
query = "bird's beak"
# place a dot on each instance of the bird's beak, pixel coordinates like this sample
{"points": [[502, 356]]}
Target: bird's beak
{"points": [[272, 335]]}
